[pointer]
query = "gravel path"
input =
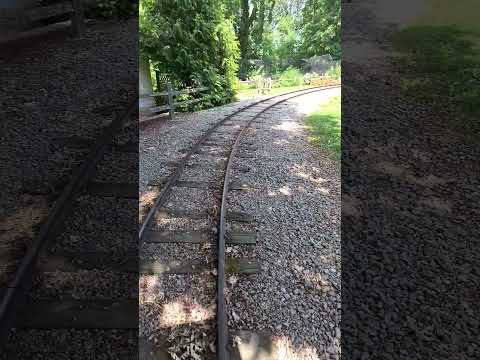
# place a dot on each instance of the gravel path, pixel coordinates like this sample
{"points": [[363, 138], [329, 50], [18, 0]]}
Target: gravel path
{"points": [[160, 143], [409, 207], [55, 88], [296, 296], [299, 239], [57, 95]]}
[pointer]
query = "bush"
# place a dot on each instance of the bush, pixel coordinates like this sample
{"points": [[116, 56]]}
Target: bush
{"points": [[334, 72], [193, 43], [290, 77], [244, 86], [308, 77]]}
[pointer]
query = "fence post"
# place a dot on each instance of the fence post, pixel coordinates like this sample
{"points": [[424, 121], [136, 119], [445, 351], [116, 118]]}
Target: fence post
{"points": [[157, 80], [78, 25], [170, 99]]}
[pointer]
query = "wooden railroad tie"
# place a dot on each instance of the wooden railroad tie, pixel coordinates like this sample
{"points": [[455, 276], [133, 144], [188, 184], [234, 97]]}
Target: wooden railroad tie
{"points": [[79, 314], [121, 190], [196, 215], [199, 237], [74, 261], [232, 266]]}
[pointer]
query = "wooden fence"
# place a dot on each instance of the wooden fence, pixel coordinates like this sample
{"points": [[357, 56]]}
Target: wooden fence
{"points": [[170, 94]]}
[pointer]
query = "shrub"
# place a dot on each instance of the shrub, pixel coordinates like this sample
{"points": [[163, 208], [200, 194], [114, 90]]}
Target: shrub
{"points": [[193, 43], [308, 77], [334, 72], [290, 77]]}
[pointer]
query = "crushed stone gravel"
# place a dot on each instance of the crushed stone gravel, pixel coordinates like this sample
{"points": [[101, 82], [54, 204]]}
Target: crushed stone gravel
{"points": [[296, 207]]}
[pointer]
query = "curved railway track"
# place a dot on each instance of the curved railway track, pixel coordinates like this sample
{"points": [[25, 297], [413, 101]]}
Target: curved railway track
{"points": [[27, 303], [225, 185]]}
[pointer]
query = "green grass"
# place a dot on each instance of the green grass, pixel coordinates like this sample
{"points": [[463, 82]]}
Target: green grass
{"points": [[248, 93], [324, 127], [440, 60]]}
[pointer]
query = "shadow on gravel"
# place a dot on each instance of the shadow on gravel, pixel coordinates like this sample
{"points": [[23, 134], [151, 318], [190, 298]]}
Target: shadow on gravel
{"points": [[409, 189]]}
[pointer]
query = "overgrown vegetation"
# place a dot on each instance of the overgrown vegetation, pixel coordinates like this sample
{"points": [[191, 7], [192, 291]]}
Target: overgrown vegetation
{"points": [[283, 32], [213, 42], [334, 72], [290, 77], [324, 127], [441, 65], [193, 43], [321, 26]]}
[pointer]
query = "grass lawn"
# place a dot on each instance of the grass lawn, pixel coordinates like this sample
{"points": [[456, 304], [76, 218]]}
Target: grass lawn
{"points": [[248, 93], [324, 126], [441, 61]]}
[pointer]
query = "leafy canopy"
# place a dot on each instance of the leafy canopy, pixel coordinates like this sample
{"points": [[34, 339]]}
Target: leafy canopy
{"points": [[192, 42]]}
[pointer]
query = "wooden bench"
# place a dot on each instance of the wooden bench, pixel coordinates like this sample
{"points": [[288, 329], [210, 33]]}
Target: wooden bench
{"points": [[264, 85], [170, 94]]}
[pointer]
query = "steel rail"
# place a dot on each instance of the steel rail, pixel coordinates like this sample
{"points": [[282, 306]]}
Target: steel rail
{"points": [[222, 330], [16, 290], [167, 187]]}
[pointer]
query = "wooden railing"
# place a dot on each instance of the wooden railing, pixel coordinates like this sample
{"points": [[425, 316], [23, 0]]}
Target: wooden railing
{"points": [[170, 94]]}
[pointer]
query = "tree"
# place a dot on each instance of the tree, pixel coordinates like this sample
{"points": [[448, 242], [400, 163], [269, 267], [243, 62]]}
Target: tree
{"points": [[193, 42], [321, 28]]}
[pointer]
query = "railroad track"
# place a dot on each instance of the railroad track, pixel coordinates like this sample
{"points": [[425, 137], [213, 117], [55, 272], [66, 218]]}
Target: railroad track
{"points": [[48, 296], [175, 189]]}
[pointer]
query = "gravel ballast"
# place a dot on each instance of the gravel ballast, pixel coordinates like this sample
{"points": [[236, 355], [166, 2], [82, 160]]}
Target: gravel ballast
{"points": [[296, 206], [58, 94], [296, 295]]}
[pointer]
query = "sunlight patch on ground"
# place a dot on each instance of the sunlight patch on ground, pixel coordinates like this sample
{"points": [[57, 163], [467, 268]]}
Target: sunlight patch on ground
{"points": [[309, 103], [285, 350], [150, 289], [185, 311], [281, 142], [290, 126], [253, 347], [323, 191], [146, 201], [309, 177]]}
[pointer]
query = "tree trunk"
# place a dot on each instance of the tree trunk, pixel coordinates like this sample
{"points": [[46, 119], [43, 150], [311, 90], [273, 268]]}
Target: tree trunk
{"points": [[243, 38]]}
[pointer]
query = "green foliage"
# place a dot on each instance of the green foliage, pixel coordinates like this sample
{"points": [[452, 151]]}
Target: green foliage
{"points": [[285, 41], [290, 77], [334, 72], [110, 9], [325, 127], [441, 65], [307, 78], [321, 28], [193, 43]]}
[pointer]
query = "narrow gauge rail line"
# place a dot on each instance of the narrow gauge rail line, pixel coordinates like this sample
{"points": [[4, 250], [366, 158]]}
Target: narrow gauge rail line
{"points": [[14, 297], [221, 324], [167, 187]]}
